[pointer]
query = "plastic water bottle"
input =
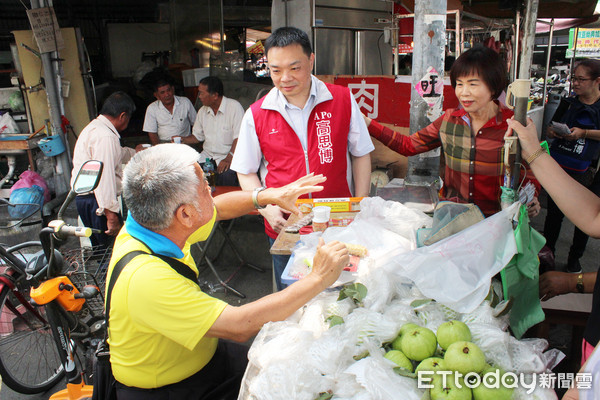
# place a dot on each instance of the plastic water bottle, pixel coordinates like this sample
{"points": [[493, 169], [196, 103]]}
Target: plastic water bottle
{"points": [[210, 173]]}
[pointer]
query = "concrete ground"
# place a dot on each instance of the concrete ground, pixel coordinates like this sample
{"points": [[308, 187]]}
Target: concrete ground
{"points": [[249, 237]]}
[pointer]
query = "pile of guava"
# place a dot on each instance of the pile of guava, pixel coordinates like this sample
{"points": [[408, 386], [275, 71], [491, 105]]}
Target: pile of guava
{"points": [[443, 360], [372, 340]]}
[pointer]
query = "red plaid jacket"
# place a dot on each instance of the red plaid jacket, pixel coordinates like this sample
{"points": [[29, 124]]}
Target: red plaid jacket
{"points": [[473, 163]]}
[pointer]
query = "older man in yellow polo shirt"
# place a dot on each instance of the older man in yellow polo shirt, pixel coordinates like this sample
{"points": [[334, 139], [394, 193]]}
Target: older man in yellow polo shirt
{"points": [[165, 334]]}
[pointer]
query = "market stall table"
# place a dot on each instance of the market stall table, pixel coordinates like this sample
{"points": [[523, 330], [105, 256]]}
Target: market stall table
{"points": [[227, 239], [286, 241], [15, 144]]}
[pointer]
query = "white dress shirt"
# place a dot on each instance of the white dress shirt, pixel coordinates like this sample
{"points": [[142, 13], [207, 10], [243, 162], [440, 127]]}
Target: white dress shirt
{"points": [[99, 140], [218, 131], [159, 120]]}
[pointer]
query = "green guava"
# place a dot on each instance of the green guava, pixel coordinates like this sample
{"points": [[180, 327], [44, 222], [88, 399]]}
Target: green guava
{"points": [[431, 364], [399, 359], [464, 357], [453, 331], [447, 389], [418, 343], [407, 327], [491, 387]]}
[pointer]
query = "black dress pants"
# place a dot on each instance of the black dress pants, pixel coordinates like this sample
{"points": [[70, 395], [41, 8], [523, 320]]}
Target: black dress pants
{"points": [[86, 208]]}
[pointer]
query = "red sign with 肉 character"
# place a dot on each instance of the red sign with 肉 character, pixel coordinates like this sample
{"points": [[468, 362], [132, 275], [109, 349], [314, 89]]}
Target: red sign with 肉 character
{"points": [[387, 99]]}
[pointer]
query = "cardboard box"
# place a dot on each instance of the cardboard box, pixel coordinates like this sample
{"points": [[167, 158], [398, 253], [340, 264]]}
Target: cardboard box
{"points": [[337, 204]]}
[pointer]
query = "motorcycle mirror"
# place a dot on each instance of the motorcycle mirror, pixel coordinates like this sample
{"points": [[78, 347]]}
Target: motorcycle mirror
{"points": [[88, 177]]}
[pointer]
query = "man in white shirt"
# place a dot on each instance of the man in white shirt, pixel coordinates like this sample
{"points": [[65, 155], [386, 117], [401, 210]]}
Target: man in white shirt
{"points": [[217, 128], [169, 115], [301, 126], [100, 140]]}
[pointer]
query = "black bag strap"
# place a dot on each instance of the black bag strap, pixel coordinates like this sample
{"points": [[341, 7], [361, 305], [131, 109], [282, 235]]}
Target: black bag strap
{"points": [[115, 275], [179, 267]]}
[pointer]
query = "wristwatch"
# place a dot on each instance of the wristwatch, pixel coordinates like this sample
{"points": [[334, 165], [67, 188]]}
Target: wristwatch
{"points": [[579, 285], [255, 193]]}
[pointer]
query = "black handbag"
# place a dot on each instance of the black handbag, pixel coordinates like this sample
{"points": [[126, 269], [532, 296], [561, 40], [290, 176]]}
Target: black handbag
{"points": [[104, 381], [105, 384]]}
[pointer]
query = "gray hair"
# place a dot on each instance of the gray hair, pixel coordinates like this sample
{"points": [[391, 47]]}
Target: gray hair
{"points": [[157, 181]]}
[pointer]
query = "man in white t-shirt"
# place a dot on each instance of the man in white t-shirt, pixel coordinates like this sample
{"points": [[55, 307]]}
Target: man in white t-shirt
{"points": [[217, 128], [169, 115]]}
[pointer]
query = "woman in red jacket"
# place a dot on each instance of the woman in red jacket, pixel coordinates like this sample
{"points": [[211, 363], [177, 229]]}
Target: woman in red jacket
{"points": [[471, 137]]}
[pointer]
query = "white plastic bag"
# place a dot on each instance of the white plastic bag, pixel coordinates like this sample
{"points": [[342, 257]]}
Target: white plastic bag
{"points": [[366, 230], [381, 382], [457, 271], [8, 124], [393, 216]]}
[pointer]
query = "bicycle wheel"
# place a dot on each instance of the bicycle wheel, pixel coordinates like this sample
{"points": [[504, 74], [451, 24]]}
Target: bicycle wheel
{"points": [[29, 361]]}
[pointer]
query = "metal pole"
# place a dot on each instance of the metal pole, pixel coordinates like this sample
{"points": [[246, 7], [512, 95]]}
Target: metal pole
{"points": [[551, 32], [524, 73], [222, 29], [573, 58], [513, 67], [528, 38], [429, 44], [395, 42], [63, 165], [458, 42]]}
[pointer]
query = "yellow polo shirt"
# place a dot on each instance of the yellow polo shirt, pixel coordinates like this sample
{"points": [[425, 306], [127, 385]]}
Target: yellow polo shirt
{"points": [[158, 319]]}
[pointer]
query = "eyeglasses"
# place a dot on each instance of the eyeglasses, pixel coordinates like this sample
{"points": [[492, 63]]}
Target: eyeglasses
{"points": [[575, 79]]}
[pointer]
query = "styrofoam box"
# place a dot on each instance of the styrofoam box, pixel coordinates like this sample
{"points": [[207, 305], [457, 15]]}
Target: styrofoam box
{"points": [[191, 77], [344, 278], [285, 275]]}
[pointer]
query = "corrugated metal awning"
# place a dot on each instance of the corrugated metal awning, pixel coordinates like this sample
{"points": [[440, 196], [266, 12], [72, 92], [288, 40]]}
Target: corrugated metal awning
{"points": [[547, 8]]}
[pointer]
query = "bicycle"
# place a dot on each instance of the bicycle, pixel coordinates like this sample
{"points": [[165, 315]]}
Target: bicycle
{"points": [[24, 330], [70, 293], [65, 300]]}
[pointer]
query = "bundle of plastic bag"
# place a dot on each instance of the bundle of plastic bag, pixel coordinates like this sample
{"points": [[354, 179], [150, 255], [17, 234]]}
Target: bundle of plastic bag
{"points": [[457, 271], [381, 382], [27, 202], [393, 216], [30, 178], [368, 231], [8, 124]]}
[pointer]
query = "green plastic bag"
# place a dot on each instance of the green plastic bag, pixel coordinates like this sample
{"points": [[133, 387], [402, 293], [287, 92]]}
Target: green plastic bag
{"points": [[520, 278]]}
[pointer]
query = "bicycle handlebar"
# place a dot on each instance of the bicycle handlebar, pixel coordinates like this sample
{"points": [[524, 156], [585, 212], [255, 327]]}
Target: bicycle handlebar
{"points": [[62, 229], [57, 229]]}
